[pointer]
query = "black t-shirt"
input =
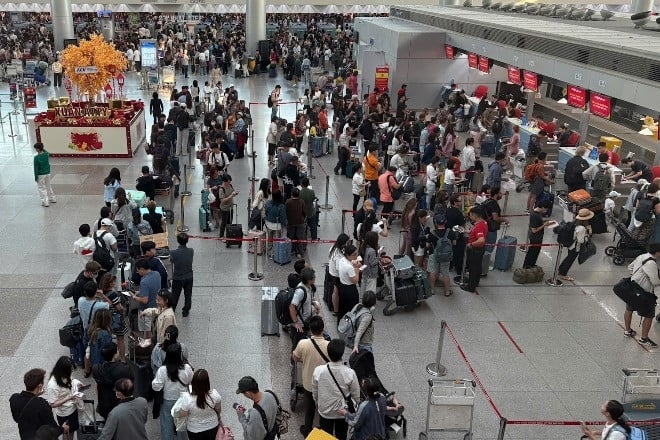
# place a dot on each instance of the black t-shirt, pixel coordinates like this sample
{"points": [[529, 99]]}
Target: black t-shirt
{"points": [[535, 221], [638, 166], [454, 217]]}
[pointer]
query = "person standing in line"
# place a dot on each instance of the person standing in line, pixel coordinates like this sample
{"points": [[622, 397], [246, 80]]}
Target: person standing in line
{"points": [[580, 237], [258, 421], [62, 394], [311, 352], [202, 408], [644, 272], [295, 214], [110, 185], [182, 122], [330, 383], [535, 234], [275, 98], [31, 411], [57, 69], [41, 164], [226, 196], [369, 419], [386, 183], [129, 418], [475, 248], [182, 273], [155, 106], [308, 196]]}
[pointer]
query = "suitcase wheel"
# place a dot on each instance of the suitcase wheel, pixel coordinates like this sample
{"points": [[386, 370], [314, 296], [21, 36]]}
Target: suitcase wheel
{"points": [[388, 310]]}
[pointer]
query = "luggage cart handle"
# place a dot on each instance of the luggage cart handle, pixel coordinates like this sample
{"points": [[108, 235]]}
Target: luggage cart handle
{"points": [[629, 371], [434, 380]]}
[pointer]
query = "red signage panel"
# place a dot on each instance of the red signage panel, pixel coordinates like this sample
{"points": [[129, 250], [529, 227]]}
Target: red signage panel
{"points": [[449, 51], [484, 65], [514, 74], [600, 105], [530, 81], [576, 96], [30, 97], [473, 60]]}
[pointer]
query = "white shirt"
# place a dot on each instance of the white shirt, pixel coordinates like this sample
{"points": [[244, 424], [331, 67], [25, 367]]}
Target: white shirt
{"points": [[431, 177], [345, 270], [200, 420], [109, 239], [467, 157], [397, 161], [449, 177], [54, 392], [172, 390], [646, 276], [327, 395], [358, 183], [136, 55], [615, 435], [84, 248], [332, 264]]}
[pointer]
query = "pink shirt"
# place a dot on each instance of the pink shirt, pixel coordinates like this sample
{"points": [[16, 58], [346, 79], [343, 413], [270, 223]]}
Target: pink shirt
{"points": [[384, 187]]}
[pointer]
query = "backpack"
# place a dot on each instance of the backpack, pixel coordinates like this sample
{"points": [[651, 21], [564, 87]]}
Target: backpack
{"points": [[443, 251], [281, 425], [573, 173], [635, 432], [350, 322], [396, 192], [72, 332], [389, 137], [602, 181], [565, 233], [645, 209], [182, 120], [102, 254], [533, 147], [270, 101], [283, 301], [497, 126], [531, 172]]}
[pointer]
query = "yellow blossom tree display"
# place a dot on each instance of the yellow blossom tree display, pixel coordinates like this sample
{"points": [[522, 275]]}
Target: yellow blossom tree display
{"points": [[95, 52]]}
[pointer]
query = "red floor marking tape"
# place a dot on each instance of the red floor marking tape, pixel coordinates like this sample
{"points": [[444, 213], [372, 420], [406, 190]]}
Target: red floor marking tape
{"points": [[508, 335]]}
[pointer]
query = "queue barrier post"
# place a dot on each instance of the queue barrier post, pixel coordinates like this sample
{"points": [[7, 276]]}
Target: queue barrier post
{"points": [[555, 281], [310, 167], [343, 220], [185, 192], [182, 227], [255, 275], [436, 368], [500, 432], [326, 205], [11, 127], [506, 202], [252, 153], [253, 156]]}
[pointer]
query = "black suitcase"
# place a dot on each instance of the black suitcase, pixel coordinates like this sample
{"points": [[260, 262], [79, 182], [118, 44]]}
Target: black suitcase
{"points": [[598, 223], [143, 374], [328, 287], [93, 430], [406, 292], [234, 230], [191, 138], [174, 163]]}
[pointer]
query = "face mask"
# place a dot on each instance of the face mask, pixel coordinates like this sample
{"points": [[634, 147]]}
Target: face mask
{"points": [[372, 308]]}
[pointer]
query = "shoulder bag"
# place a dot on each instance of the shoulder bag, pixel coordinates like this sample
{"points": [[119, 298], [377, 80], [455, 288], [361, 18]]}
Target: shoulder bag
{"points": [[631, 293], [350, 405], [325, 358]]}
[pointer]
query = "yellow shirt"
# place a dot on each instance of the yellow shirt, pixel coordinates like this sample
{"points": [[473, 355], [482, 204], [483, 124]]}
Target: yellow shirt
{"points": [[371, 167], [311, 358]]}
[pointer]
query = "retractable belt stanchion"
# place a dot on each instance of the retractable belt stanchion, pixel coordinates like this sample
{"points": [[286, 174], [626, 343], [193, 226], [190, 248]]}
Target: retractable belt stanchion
{"points": [[506, 202], [326, 205], [185, 182], [252, 153], [500, 432], [436, 368], [554, 281], [255, 275], [254, 163], [182, 227], [310, 167], [343, 220]]}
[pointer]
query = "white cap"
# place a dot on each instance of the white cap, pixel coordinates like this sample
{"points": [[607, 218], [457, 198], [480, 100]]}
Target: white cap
{"points": [[613, 195], [106, 222]]}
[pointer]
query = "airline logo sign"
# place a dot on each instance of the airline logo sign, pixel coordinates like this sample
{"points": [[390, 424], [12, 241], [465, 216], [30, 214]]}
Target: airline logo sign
{"points": [[576, 96], [86, 70], [600, 105], [530, 81], [514, 74]]}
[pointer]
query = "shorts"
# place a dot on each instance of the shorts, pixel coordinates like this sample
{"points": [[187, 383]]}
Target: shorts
{"points": [[441, 268], [272, 148], [537, 186], [419, 252], [71, 419], [144, 323], [645, 312]]}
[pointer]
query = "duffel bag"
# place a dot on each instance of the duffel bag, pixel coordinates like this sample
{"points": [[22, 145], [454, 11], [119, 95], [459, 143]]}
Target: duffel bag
{"points": [[529, 275], [633, 295]]}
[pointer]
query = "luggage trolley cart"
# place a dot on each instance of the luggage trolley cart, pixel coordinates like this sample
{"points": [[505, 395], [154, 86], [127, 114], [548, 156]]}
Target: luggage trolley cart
{"points": [[407, 284], [450, 407], [168, 78], [641, 398]]}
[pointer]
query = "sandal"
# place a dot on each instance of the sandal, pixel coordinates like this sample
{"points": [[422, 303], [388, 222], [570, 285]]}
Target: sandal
{"points": [[566, 278], [449, 293]]}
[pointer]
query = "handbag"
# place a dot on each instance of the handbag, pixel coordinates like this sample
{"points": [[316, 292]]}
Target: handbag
{"points": [[632, 293], [68, 290], [350, 405], [587, 250]]}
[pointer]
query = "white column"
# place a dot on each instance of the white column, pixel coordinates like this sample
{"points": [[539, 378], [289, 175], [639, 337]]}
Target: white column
{"points": [[108, 28], [60, 12], [255, 25]]}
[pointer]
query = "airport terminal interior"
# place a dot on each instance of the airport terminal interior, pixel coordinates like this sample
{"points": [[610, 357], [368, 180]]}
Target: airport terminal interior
{"points": [[541, 356]]}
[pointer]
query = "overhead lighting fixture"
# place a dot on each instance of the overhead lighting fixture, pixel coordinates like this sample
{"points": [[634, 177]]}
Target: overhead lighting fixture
{"points": [[606, 14], [641, 18]]}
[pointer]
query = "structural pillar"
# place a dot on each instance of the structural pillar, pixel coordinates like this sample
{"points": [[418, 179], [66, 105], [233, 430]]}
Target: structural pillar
{"points": [[450, 3], [62, 17], [255, 25], [531, 98], [108, 28], [583, 128]]}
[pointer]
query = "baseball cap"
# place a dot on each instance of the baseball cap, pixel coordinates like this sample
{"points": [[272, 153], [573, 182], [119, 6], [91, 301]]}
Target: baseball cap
{"points": [[247, 383], [439, 219], [231, 85], [613, 194], [106, 222]]}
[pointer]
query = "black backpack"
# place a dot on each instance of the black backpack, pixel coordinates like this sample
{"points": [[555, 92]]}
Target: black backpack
{"points": [[565, 233], [534, 146], [645, 209], [270, 101], [573, 172], [498, 124], [283, 301], [102, 254]]}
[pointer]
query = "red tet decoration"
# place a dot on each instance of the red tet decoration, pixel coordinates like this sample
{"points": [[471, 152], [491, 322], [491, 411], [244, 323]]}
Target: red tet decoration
{"points": [[473, 60], [112, 69], [484, 65], [600, 105], [576, 96], [108, 90], [120, 79], [449, 51], [514, 74], [530, 81]]}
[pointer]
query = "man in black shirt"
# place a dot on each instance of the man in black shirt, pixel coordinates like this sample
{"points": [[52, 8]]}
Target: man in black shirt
{"points": [[145, 183], [29, 410], [106, 374], [535, 234], [638, 170]]}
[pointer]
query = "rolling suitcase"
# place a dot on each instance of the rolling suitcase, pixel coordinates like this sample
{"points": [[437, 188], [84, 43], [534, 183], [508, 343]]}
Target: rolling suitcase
{"points": [[404, 268], [405, 292], [261, 244], [90, 431], [143, 375], [598, 223], [328, 287], [505, 252], [269, 323], [282, 251], [350, 168], [422, 284], [485, 264], [234, 230], [488, 145], [204, 217], [316, 144], [139, 197], [175, 164]]}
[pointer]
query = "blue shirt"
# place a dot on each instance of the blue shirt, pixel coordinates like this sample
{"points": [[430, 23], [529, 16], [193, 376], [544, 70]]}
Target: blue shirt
{"points": [[149, 287], [85, 309]]}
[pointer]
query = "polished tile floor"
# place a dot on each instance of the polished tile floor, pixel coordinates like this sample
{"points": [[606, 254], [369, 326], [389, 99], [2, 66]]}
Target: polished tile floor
{"points": [[541, 353]]}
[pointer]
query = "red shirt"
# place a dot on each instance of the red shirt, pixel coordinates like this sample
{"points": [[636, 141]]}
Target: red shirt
{"points": [[480, 230]]}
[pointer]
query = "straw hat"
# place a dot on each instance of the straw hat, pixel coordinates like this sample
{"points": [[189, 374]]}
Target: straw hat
{"points": [[584, 214]]}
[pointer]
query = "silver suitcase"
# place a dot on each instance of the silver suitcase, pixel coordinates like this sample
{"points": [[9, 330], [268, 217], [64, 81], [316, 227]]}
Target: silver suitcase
{"points": [[403, 267], [269, 323]]}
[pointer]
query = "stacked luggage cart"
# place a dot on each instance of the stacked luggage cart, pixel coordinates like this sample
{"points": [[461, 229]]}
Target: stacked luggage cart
{"points": [[450, 407], [641, 398], [408, 284]]}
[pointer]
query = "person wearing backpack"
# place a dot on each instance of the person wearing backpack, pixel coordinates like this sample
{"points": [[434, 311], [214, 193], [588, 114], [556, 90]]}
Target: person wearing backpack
{"points": [[535, 232], [364, 331], [575, 166], [441, 241], [258, 422], [303, 306], [601, 177], [644, 272], [581, 234], [616, 427], [182, 122], [646, 207], [311, 352]]}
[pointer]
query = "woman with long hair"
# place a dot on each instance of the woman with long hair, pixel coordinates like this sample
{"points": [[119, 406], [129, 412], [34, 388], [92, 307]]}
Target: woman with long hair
{"points": [[275, 215], [369, 254], [163, 315], [61, 393], [110, 184], [349, 276], [369, 419], [448, 142], [616, 426], [118, 312], [407, 216], [333, 257], [100, 334], [580, 237], [202, 407], [121, 208], [173, 379], [259, 204], [137, 227]]}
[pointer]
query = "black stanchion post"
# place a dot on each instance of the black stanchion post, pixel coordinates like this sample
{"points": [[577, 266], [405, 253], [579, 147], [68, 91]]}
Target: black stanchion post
{"points": [[326, 205], [182, 227], [255, 275], [190, 159], [436, 368], [343, 221], [252, 153], [11, 127], [253, 156], [185, 192], [554, 281], [500, 433], [310, 167]]}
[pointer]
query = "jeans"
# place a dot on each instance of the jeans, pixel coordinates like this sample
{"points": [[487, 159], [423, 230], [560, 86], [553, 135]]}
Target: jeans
{"points": [[297, 232], [181, 140], [166, 421], [387, 208], [336, 427], [374, 191], [187, 286], [343, 157], [273, 110], [184, 71], [57, 79], [45, 190], [312, 224]]}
